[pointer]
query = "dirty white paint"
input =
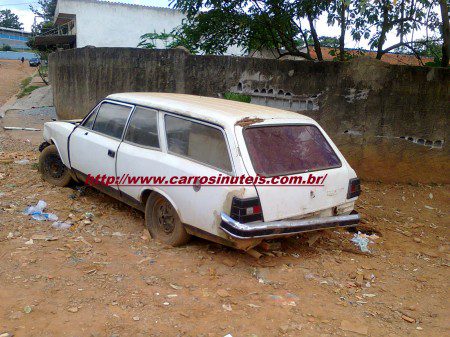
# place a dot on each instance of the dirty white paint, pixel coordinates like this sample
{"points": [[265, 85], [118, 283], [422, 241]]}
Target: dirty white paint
{"points": [[109, 24], [106, 24], [200, 208]]}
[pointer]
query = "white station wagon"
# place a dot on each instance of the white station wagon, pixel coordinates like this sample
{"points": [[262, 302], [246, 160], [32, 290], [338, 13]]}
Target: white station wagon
{"points": [[175, 135]]}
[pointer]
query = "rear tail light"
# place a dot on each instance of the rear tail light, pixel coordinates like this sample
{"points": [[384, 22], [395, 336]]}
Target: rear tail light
{"points": [[246, 210], [354, 188]]}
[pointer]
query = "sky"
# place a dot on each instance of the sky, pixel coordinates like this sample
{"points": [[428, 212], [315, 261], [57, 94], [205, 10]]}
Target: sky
{"points": [[21, 8]]}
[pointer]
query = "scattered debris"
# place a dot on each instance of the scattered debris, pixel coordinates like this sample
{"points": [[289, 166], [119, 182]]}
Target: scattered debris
{"points": [[22, 162], [251, 305], [269, 246], [408, 319], [27, 309], [227, 307], [61, 225], [20, 128], [361, 241], [72, 309], [6, 334], [36, 212], [174, 286], [254, 253]]}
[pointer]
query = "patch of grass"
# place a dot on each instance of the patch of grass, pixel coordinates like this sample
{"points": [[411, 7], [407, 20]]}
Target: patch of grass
{"points": [[237, 97], [25, 82], [27, 90]]}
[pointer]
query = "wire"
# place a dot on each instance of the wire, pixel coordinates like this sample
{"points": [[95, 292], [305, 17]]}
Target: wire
{"points": [[19, 3]]}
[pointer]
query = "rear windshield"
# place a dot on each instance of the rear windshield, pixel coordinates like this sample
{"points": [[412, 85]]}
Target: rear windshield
{"points": [[289, 149]]}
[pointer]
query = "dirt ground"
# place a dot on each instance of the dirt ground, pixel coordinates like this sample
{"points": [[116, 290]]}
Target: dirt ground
{"points": [[105, 277], [11, 73]]}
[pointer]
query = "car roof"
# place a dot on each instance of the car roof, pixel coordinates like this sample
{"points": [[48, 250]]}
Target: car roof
{"points": [[215, 110]]}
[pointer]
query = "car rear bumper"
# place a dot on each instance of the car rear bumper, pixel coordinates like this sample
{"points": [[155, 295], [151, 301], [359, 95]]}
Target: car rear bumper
{"points": [[273, 229]]}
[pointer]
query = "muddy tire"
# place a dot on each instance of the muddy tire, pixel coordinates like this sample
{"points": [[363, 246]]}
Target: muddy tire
{"points": [[52, 168], [163, 222]]}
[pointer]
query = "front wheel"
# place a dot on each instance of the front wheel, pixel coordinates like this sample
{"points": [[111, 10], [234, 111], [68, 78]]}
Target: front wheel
{"points": [[52, 168], [163, 222]]}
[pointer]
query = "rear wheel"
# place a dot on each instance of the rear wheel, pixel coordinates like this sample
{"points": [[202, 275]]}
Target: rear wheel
{"points": [[163, 222], [52, 168]]}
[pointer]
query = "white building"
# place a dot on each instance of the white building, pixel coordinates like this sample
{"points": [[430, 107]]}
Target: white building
{"points": [[83, 23]]}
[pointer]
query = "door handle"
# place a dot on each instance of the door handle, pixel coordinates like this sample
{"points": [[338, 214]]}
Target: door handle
{"points": [[111, 153]]}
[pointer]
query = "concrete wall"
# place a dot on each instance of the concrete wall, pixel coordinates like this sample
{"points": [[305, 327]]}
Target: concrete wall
{"points": [[391, 122]]}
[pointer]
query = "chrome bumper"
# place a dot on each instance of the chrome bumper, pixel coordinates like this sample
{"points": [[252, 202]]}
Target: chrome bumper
{"points": [[273, 229]]}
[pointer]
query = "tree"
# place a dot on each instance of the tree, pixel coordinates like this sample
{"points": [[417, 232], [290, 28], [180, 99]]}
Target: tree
{"points": [[343, 13], [445, 29], [6, 47], [9, 20], [213, 26], [170, 40], [404, 17], [46, 11]]}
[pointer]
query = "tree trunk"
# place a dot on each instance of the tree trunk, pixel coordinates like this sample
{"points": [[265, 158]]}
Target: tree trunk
{"points": [[384, 29], [315, 38], [342, 37], [445, 33]]}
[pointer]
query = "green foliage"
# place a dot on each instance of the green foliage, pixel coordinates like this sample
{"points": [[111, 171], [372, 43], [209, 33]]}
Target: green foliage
{"points": [[25, 82], [213, 26], [348, 54], [375, 19], [237, 97], [26, 91], [9, 20], [170, 40], [6, 47], [329, 41], [45, 10], [26, 88], [287, 26]]}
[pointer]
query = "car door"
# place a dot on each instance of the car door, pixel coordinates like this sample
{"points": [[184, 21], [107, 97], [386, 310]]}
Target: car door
{"points": [[94, 144], [192, 148]]}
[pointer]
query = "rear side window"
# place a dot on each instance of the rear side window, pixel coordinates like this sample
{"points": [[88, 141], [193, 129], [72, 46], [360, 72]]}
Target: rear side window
{"points": [[143, 128], [289, 149], [199, 142], [111, 119]]}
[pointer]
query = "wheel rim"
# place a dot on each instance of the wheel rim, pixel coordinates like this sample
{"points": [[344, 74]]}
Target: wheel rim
{"points": [[164, 216], [54, 167]]}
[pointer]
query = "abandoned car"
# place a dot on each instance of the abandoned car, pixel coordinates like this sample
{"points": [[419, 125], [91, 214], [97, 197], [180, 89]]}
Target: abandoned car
{"points": [[175, 135]]}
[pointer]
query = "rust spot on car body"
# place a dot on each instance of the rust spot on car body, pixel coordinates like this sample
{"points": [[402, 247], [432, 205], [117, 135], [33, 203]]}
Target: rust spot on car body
{"points": [[249, 121]]}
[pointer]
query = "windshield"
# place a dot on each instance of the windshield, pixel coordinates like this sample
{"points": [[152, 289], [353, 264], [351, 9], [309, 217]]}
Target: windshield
{"points": [[289, 149]]}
